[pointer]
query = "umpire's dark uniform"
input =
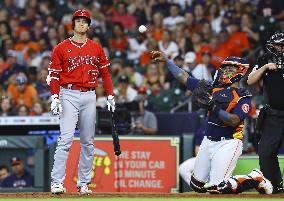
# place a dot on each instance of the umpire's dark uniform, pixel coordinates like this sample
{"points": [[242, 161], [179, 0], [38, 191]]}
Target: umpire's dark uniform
{"points": [[272, 128]]}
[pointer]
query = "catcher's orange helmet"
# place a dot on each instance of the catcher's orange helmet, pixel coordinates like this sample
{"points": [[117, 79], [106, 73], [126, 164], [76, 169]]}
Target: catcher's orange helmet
{"points": [[242, 67]]}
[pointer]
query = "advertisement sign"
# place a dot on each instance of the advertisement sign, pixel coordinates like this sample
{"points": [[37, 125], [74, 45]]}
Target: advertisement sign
{"points": [[146, 164]]}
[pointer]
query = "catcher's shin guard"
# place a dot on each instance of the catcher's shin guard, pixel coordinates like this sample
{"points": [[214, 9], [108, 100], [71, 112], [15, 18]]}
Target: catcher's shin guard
{"points": [[238, 184], [196, 185], [212, 189]]}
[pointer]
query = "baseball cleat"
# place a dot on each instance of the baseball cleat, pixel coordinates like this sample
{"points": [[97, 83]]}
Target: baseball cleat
{"points": [[57, 189], [84, 190], [264, 186]]}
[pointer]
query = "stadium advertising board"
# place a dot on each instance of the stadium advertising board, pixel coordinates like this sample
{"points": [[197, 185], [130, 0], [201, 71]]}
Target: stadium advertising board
{"points": [[145, 165]]}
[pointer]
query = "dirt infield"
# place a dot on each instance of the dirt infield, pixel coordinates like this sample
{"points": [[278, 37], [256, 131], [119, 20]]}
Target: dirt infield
{"points": [[134, 195]]}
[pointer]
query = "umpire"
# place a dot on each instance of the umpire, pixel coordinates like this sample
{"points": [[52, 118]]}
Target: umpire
{"points": [[270, 69]]}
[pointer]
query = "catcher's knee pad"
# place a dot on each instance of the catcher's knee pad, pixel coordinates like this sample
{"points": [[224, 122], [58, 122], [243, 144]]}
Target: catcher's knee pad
{"points": [[196, 185]]}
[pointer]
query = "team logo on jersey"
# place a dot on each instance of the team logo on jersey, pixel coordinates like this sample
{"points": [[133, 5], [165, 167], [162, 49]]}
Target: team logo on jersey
{"points": [[80, 60], [245, 108]]}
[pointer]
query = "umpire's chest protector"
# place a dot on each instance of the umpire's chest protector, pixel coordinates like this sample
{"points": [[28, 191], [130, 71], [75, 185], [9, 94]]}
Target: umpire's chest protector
{"points": [[227, 99]]}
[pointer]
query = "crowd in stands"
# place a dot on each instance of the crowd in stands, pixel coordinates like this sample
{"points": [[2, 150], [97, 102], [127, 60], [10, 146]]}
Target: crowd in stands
{"points": [[196, 34], [18, 177]]}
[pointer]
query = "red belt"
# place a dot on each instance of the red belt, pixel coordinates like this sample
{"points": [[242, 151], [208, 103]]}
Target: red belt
{"points": [[80, 88]]}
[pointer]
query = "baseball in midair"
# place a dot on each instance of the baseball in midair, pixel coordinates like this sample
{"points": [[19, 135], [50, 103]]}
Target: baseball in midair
{"points": [[142, 28]]}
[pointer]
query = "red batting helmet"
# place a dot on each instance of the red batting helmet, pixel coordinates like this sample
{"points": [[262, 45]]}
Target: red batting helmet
{"points": [[82, 13]]}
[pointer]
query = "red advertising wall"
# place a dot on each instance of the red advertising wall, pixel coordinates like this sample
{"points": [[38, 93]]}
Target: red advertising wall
{"points": [[146, 164]]}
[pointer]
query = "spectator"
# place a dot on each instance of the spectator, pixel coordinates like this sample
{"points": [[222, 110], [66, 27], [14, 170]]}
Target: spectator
{"points": [[20, 178], [271, 8], [180, 39], [4, 172], [249, 29], [174, 19], [153, 78], [219, 51], [116, 70], [6, 107], [196, 40], [62, 32], [13, 68], [23, 110], [156, 29], [38, 29], [205, 69], [189, 22], [125, 92], [52, 37], [37, 109], [22, 92], [189, 62], [25, 43], [135, 78], [120, 15], [118, 42], [161, 6], [199, 16], [141, 11], [137, 46], [146, 121], [41, 87], [3, 65], [206, 32], [215, 18], [5, 32], [167, 45], [238, 41]]}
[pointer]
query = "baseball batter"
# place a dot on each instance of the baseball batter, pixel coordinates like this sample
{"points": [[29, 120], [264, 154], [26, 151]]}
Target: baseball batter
{"points": [[75, 66], [227, 106]]}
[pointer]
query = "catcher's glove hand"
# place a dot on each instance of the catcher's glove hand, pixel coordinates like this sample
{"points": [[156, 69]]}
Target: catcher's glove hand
{"points": [[202, 95]]}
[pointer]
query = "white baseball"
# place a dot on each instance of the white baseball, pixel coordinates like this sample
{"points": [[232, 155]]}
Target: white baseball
{"points": [[142, 28]]}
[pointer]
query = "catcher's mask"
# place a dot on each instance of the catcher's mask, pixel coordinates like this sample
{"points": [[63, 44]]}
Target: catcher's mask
{"points": [[275, 44], [232, 69]]}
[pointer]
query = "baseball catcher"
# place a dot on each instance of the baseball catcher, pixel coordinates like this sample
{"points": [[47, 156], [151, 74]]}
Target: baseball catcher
{"points": [[228, 105]]}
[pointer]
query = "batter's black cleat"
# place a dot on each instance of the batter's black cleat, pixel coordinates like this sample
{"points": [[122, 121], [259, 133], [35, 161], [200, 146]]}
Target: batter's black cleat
{"points": [[278, 190]]}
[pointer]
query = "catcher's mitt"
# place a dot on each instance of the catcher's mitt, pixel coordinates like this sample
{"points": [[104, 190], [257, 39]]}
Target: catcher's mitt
{"points": [[202, 95]]}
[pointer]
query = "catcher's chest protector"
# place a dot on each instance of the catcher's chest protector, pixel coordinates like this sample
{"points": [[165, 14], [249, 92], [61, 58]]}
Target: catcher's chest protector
{"points": [[227, 99]]}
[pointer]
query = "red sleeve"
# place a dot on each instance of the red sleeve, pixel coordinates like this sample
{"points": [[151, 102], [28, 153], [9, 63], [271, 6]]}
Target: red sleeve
{"points": [[104, 72], [54, 70]]}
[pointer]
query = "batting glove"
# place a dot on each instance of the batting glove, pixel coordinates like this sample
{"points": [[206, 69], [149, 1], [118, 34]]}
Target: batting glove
{"points": [[110, 103], [55, 106]]}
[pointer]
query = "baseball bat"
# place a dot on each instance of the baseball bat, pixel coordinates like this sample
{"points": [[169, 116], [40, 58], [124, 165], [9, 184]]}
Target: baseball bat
{"points": [[115, 139]]}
